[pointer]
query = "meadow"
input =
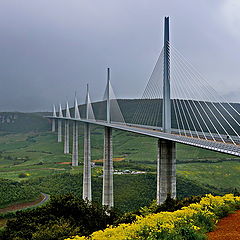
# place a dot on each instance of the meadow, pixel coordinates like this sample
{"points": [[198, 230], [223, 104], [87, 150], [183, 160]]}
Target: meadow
{"points": [[33, 159]]}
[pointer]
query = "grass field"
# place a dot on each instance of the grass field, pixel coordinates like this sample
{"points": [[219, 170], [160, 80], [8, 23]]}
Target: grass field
{"points": [[36, 155]]}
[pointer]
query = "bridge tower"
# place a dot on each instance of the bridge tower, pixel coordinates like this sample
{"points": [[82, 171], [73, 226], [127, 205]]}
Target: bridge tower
{"points": [[53, 120], [166, 116], [107, 197], [66, 135], [75, 135], [166, 161], [87, 189], [108, 96], [60, 124]]}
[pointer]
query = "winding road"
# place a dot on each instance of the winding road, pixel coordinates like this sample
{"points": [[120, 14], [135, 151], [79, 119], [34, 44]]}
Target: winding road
{"points": [[20, 206]]}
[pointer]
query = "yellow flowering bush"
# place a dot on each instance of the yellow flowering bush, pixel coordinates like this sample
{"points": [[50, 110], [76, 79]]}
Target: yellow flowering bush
{"points": [[190, 222]]}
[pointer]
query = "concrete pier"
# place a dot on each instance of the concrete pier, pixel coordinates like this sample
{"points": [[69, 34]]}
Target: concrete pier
{"points": [[87, 191], [107, 197], [60, 114], [166, 170], [66, 137], [75, 144], [59, 130], [53, 125], [53, 120]]}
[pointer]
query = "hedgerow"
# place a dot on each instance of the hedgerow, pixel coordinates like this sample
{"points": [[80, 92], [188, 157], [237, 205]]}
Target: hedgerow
{"points": [[189, 223]]}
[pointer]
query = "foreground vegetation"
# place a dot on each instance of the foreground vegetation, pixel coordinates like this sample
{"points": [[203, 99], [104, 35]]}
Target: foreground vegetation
{"points": [[130, 191], [32, 159], [31, 162], [12, 191], [189, 223], [62, 216], [67, 215]]}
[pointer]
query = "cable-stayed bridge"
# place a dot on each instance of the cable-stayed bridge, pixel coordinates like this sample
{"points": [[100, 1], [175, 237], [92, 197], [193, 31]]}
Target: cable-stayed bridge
{"points": [[177, 105]]}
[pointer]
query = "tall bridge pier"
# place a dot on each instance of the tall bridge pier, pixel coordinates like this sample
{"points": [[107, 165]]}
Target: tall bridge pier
{"points": [[166, 162], [166, 170], [60, 124], [53, 120], [87, 185], [87, 188], [53, 125], [75, 144], [59, 130], [107, 197], [75, 135], [66, 137]]}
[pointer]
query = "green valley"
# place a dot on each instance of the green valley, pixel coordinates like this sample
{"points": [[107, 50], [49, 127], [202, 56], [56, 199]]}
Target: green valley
{"points": [[34, 159]]}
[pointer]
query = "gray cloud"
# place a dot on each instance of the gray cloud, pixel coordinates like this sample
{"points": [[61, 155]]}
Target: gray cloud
{"points": [[50, 49]]}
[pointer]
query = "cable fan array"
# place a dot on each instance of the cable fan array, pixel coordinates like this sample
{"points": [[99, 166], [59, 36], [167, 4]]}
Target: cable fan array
{"points": [[149, 108], [116, 115], [197, 110]]}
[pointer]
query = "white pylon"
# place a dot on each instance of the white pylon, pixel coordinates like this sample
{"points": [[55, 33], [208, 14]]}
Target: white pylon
{"points": [[87, 191], [54, 111], [53, 120], [66, 135], [68, 115], [60, 114], [76, 112], [75, 135], [60, 111], [107, 193]]}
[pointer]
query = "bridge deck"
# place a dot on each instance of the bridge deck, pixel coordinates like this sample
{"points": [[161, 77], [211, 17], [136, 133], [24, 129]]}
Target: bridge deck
{"points": [[227, 148]]}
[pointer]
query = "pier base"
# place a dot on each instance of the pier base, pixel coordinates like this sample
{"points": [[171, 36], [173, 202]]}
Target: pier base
{"points": [[87, 191], [66, 137], [59, 130], [107, 198], [53, 125], [75, 144], [166, 170]]}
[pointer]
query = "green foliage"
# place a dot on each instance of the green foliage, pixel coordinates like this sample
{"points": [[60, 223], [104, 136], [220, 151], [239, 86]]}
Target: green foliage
{"points": [[204, 221], [170, 205], [37, 153], [55, 230], [15, 192], [68, 215], [126, 218], [61, 217], [224, 175], [130, 191], [189, 223]]}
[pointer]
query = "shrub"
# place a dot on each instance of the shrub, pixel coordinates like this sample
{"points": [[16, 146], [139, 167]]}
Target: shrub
{"points": [[189, 223], [60, 217], [23, 175]]}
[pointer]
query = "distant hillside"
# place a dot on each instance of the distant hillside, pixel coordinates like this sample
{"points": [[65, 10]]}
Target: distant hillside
{"points": [[139, 111], [15, 122]]}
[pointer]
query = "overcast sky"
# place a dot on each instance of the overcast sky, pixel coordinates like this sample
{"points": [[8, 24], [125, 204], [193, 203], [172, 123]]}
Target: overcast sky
{"points": [[51, 48]]}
